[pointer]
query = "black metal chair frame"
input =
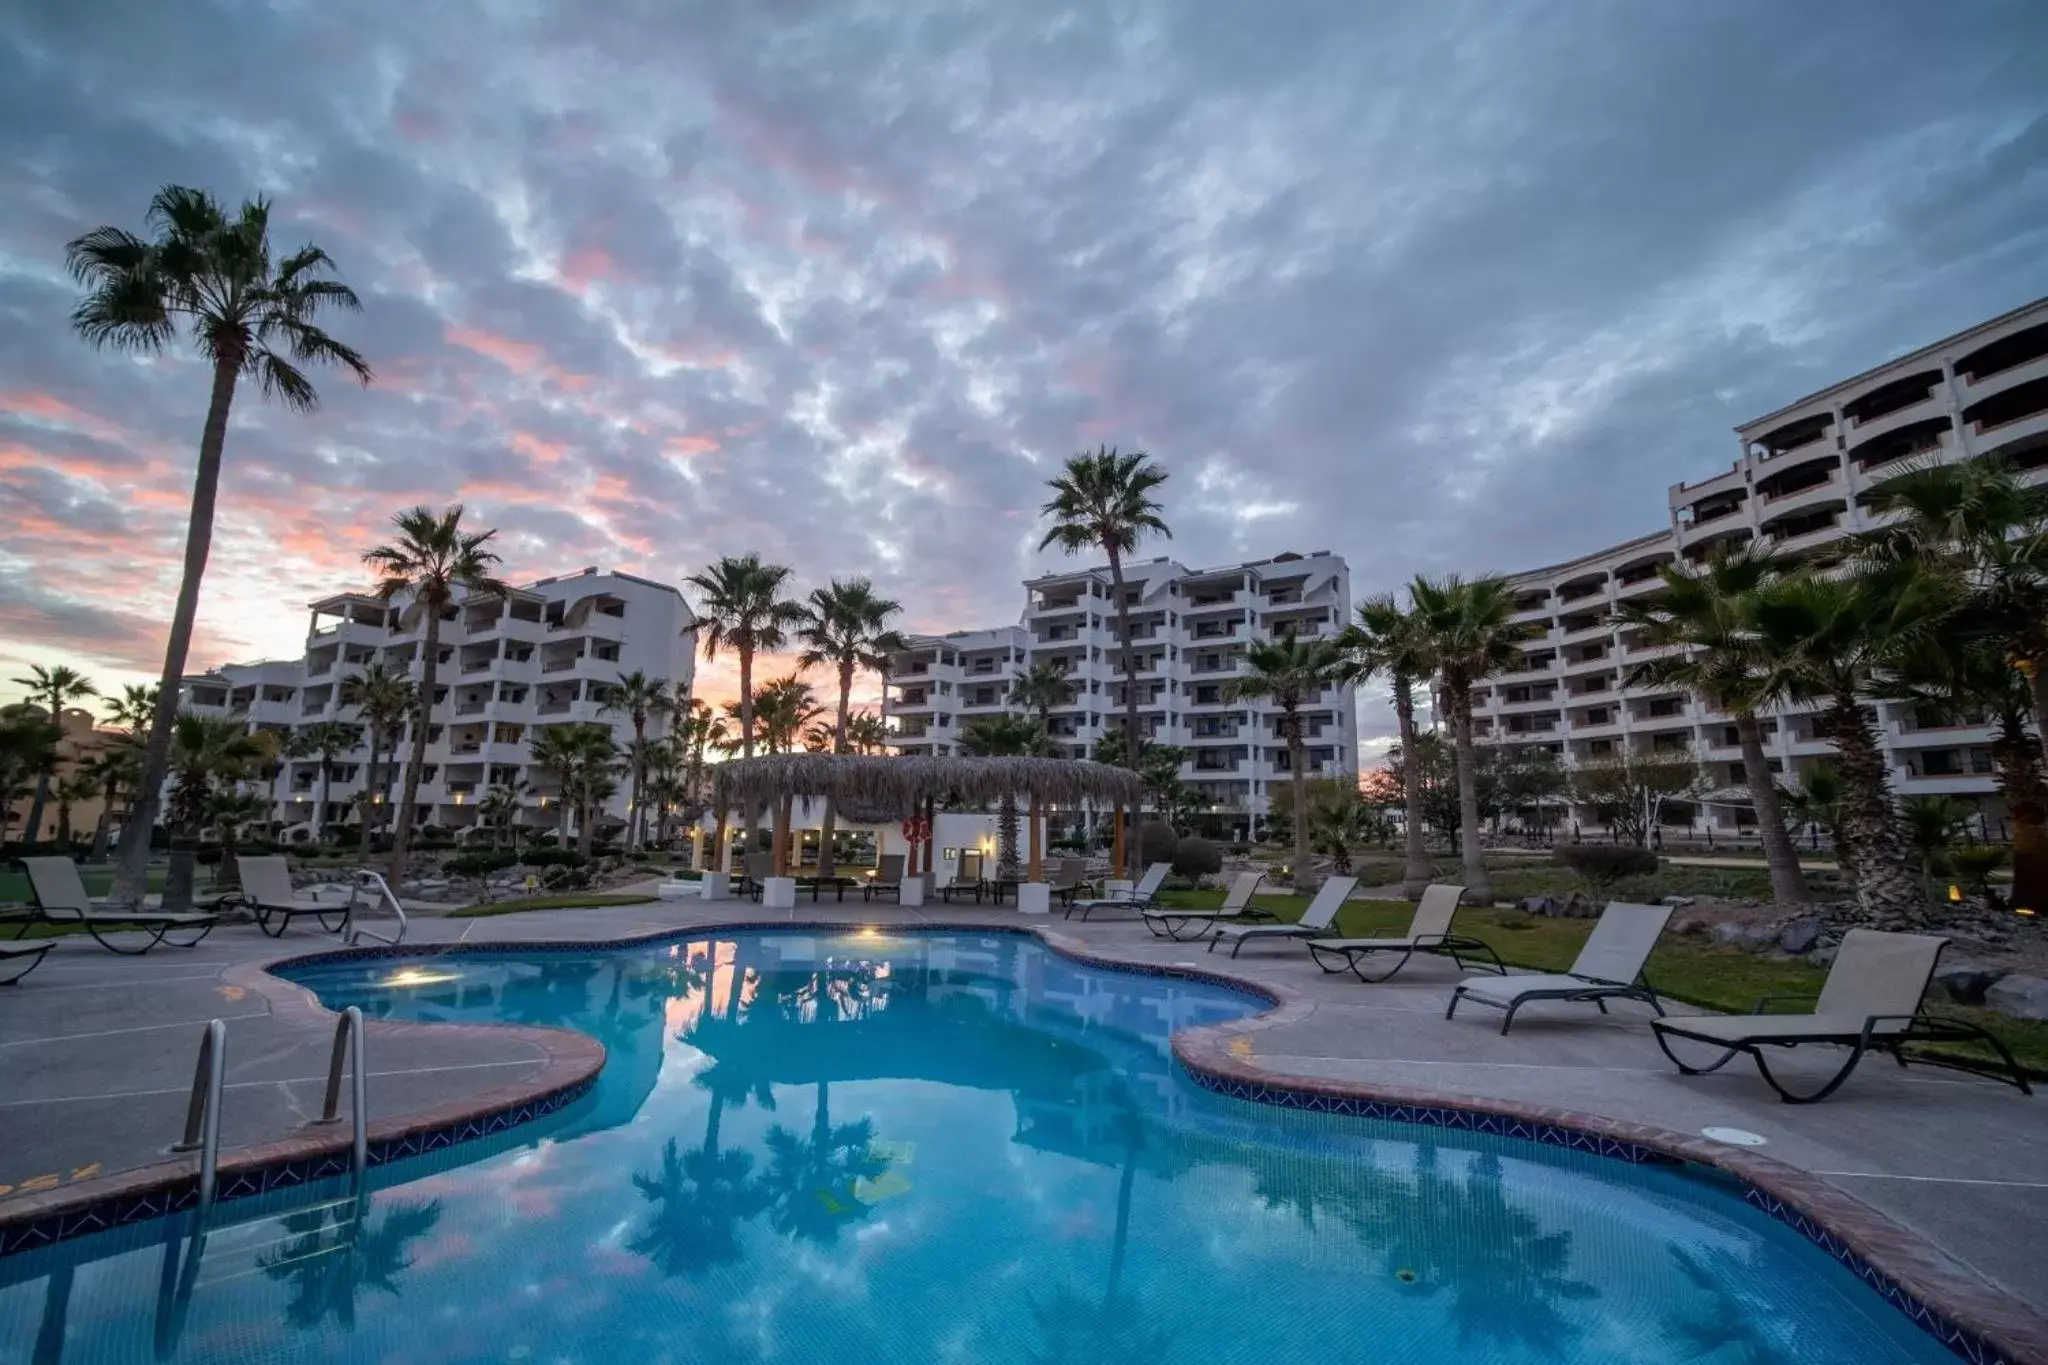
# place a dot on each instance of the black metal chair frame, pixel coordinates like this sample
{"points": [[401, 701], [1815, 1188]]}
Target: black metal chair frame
{"points": [[32, 954], [1166, 922], [1919, 1028], [1453, 946], [264, 913], [1595, 992]]}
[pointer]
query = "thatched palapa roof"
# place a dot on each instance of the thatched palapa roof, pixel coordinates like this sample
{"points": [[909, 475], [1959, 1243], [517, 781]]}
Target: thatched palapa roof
{"points": [[872, 790]]}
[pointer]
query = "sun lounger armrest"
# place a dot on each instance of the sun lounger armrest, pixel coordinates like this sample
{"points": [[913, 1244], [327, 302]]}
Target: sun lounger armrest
{"points": [[1764, 1003], [1870, 1024]]}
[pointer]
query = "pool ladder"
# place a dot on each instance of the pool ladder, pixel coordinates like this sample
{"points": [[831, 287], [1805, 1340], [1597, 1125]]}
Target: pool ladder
{"points": [[353, 933], [202, 1114]]}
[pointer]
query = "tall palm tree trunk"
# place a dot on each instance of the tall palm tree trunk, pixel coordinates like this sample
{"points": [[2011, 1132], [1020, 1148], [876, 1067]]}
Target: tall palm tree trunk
{"points": [[369, 807], [2037, 682], [326, 790], [1132, 745], [636, 831], [1034, 869], [1297, 781], [1417, 872], [1788, 882], [2024, 789], [746, 701], [103, 826], [1478, 886], [133, 872], [34, 830], [1889, 890], [1006, 836], [430, 667], [828, 862]]}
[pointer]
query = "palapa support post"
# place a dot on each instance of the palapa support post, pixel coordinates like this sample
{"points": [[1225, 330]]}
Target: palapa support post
{"points": [[1035, 865], [1116, 841]]}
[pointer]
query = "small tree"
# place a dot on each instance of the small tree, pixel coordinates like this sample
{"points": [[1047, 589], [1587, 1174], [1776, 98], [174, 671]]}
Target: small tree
{"points": [[1623, 792], [1600, 866]]}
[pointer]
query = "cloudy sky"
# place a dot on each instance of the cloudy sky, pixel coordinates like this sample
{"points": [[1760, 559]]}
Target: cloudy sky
{"points": [[1451, 284]]}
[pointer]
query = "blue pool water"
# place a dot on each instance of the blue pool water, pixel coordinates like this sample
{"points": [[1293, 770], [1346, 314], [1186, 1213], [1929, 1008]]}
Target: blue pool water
{"points": [[934, 1148]]}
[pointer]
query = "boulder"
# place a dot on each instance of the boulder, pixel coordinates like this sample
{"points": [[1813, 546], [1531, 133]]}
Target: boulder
{"points": [[1739, 935], [1539, 905], [1799, 935], [1966, 982], [2022, 997]]}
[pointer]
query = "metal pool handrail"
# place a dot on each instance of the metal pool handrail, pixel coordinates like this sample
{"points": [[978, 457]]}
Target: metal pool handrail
{"points": [[366, 880], [202, 1115], [348, 1048]]}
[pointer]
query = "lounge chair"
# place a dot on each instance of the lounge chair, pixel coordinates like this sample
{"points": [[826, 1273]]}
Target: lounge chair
{"points": [[755, 870], [1314, 921], [1137, 898], [1869, 1002], [23, 955], [1609, 967], [1070, 880], [60, 898], [1428, 932], [1237, 906], [888, 879], [966, 877], [267, 891]]}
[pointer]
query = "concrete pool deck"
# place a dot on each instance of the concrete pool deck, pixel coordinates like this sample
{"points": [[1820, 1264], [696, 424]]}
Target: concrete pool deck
{"points": [[97, 1050]]}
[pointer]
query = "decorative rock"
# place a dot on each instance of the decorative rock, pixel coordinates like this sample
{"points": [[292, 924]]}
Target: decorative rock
{"points": [[1799, 936], [1737, 935], [1539, 905], [1679, 902], [2022, 997], [1966, 982]]}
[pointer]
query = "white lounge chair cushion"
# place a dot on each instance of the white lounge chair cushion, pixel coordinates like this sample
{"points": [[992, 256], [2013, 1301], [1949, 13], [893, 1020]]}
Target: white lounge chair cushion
{"points": [[1262, 930], [1736, 1028], [1362, 945], [1505, 990]]}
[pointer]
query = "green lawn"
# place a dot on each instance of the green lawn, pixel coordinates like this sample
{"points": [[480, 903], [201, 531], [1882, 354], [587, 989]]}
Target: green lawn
{"points": [[567, 902], [1683, 967], [98, 881]]}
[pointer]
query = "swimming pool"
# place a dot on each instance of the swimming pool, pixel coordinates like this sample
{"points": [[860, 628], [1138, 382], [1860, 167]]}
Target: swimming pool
{"points": [[937, 1147]]}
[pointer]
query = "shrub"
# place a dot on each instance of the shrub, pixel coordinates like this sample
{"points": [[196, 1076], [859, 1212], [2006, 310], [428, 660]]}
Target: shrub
{"points": [[479, 864], [1197, 858], [1156, 842], [1240, 849], [552, 857], [1600, 866]]}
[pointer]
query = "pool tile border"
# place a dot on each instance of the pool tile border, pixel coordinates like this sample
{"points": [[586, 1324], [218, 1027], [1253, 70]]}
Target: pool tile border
{"points": [[1968, 1316]]}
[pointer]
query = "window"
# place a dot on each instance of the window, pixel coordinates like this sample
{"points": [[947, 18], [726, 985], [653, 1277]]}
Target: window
{"points": [[1941, 763], [1597, 716]]}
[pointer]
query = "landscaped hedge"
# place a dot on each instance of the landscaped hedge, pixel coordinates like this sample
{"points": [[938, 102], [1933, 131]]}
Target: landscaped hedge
{"points": [[1196, 858], [1602, 865]]}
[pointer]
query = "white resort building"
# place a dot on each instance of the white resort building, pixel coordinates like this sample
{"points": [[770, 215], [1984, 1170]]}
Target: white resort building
{"points": [[1798, 488], [507, 668], [1189, 628]]}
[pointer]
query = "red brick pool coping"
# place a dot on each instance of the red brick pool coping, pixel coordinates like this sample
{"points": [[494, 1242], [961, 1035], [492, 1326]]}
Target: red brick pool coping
{"points": [[570, 1061]]}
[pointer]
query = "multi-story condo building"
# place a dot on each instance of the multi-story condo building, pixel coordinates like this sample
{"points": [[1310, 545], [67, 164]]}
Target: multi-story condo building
{"points": [[1189, 629], [1799, 487], [507, 668]]}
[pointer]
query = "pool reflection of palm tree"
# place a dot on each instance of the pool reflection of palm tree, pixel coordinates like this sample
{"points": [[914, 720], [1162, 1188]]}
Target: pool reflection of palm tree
{"points": [[1730, 1327], [701, 1197], [336, 1250], [1080, 1330], [813, 1179], [1507, 1275]]}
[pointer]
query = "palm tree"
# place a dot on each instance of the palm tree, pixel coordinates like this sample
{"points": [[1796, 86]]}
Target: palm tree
{"points": [[384, 701], [1104, 501], [1387, 640], [228, 813], [995, 737], [868, 733], [322, 740], [846, 628], [431, 558], [212, 276], [813, 1179], [1828, 640], [742, 605], [27, 751], [205, 751], [499, 810], [1703, 614], [1291, 673], [1470, 635], [1965, 670], [639, 699], [1817, 801], [78, 785], [1042, 689], [585, 758], [114, 769], [134, 711], [52, 688], [1933, 826], [1977, 524]]}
